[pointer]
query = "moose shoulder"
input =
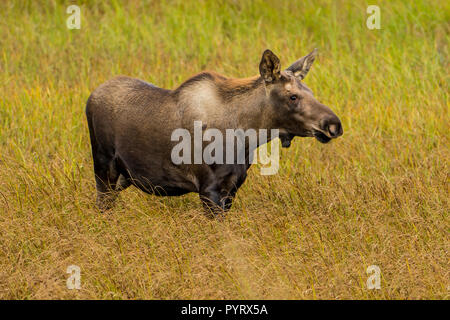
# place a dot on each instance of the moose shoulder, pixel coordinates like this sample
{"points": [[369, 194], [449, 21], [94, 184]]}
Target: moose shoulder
{"points": [[132, 123]]}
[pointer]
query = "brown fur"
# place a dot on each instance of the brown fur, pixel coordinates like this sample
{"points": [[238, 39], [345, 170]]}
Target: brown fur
{"points": [[131, 121]]}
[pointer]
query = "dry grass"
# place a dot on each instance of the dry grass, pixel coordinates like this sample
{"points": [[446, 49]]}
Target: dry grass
{"points": [[376, 196]]}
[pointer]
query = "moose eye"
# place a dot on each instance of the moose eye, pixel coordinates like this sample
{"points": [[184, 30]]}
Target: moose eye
{"points": [[293, 98]]}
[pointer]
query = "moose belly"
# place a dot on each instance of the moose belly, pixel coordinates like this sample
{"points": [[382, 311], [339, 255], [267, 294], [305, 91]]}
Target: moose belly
{"points": [[160, 178], [162, 191]]}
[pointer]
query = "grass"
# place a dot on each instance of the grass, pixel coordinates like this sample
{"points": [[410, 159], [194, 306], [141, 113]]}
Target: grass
{"points": [[376, 196]]}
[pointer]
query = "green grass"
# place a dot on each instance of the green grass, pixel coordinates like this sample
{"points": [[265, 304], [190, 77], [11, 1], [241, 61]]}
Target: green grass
{"points": [[376, 196]]}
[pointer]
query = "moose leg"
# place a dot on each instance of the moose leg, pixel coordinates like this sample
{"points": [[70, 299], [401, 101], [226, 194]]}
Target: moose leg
{"points": [[212, 202], [227, 198], [229, 190], [106, 177], [122, 183]]}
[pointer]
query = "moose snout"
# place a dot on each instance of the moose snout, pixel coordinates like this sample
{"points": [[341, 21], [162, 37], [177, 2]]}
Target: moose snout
{"points": [[332, 126]]}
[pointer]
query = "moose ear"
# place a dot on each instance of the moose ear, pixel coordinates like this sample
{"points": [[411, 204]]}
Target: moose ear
{"points": [[301, 67], [270, 66]]}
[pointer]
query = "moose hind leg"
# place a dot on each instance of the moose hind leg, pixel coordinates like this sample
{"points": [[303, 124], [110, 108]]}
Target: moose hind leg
{"points": [[122, 183], [106, 177]]}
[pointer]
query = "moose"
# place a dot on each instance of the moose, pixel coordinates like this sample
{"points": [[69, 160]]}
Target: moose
{"points": [[131, 123]]}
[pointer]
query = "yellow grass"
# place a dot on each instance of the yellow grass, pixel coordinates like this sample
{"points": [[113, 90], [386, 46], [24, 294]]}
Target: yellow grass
{"points": [[376, 196]]}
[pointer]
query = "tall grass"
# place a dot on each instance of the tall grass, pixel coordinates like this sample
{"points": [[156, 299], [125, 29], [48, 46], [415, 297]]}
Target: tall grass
{"points": [[376, 196]]}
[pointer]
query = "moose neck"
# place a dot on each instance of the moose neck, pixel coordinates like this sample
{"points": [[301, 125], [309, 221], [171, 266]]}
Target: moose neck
{"points": [[250, 105]]}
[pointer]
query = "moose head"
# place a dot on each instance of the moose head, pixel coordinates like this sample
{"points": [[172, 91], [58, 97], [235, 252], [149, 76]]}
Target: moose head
{"points": [[296, 111]]}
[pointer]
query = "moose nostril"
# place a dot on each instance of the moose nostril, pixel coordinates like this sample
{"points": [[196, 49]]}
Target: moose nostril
{"points": [[332, 127], [335, 129]]}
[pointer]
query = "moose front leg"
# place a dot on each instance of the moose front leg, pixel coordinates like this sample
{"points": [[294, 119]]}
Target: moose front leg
{"points": [[230, 187], [218, 198], [212, 201], [227, 198]]}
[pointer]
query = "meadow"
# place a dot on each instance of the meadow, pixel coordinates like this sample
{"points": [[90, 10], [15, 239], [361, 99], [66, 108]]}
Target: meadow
{"points": [[378, 195]]}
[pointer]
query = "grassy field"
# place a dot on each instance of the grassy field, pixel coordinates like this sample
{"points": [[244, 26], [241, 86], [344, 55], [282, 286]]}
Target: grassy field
{"points": [[376, 196]]}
